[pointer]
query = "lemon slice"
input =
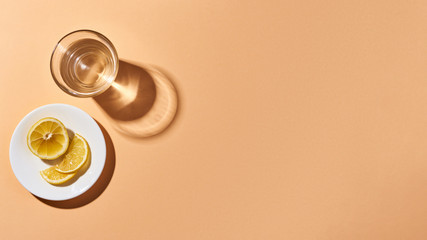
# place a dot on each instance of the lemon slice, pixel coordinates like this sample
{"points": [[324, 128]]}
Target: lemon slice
{"points": [[76, 156], [54, 177], [48, 138]]}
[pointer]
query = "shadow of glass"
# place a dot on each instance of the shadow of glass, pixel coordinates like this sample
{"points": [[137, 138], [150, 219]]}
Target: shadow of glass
{"points": [[100, 185], [142, 101], [131, 96]]}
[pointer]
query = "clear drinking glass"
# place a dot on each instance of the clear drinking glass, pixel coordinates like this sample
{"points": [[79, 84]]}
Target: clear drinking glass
{"points": [[84, 63]]}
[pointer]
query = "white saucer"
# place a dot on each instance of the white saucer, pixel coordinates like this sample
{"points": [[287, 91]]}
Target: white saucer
{"points": [[27, 166]]}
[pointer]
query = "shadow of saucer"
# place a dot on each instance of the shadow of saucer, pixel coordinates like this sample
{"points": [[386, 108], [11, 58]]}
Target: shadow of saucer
{"points": [[142, 101], [100, 185]]}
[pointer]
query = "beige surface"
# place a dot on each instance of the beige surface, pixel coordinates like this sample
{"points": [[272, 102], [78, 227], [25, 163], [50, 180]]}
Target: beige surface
{"points": [[297, 120]]}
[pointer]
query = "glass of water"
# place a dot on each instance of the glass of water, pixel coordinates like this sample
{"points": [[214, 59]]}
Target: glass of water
{"points": [[84, 63]]}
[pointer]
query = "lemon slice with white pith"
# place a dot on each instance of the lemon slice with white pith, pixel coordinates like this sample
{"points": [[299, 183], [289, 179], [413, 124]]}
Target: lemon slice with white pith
{"points": [[48, 138]]}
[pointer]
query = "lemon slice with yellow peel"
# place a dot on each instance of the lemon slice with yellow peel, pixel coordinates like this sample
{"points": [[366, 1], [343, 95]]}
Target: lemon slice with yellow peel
{"points": [[54, 177], [76, 155], [48, 138]]}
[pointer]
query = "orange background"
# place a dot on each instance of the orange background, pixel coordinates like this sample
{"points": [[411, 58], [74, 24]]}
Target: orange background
{"points": [[296, 120]]}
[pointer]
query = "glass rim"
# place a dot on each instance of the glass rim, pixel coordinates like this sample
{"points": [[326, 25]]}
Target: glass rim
{"points": [[76, 93]]}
